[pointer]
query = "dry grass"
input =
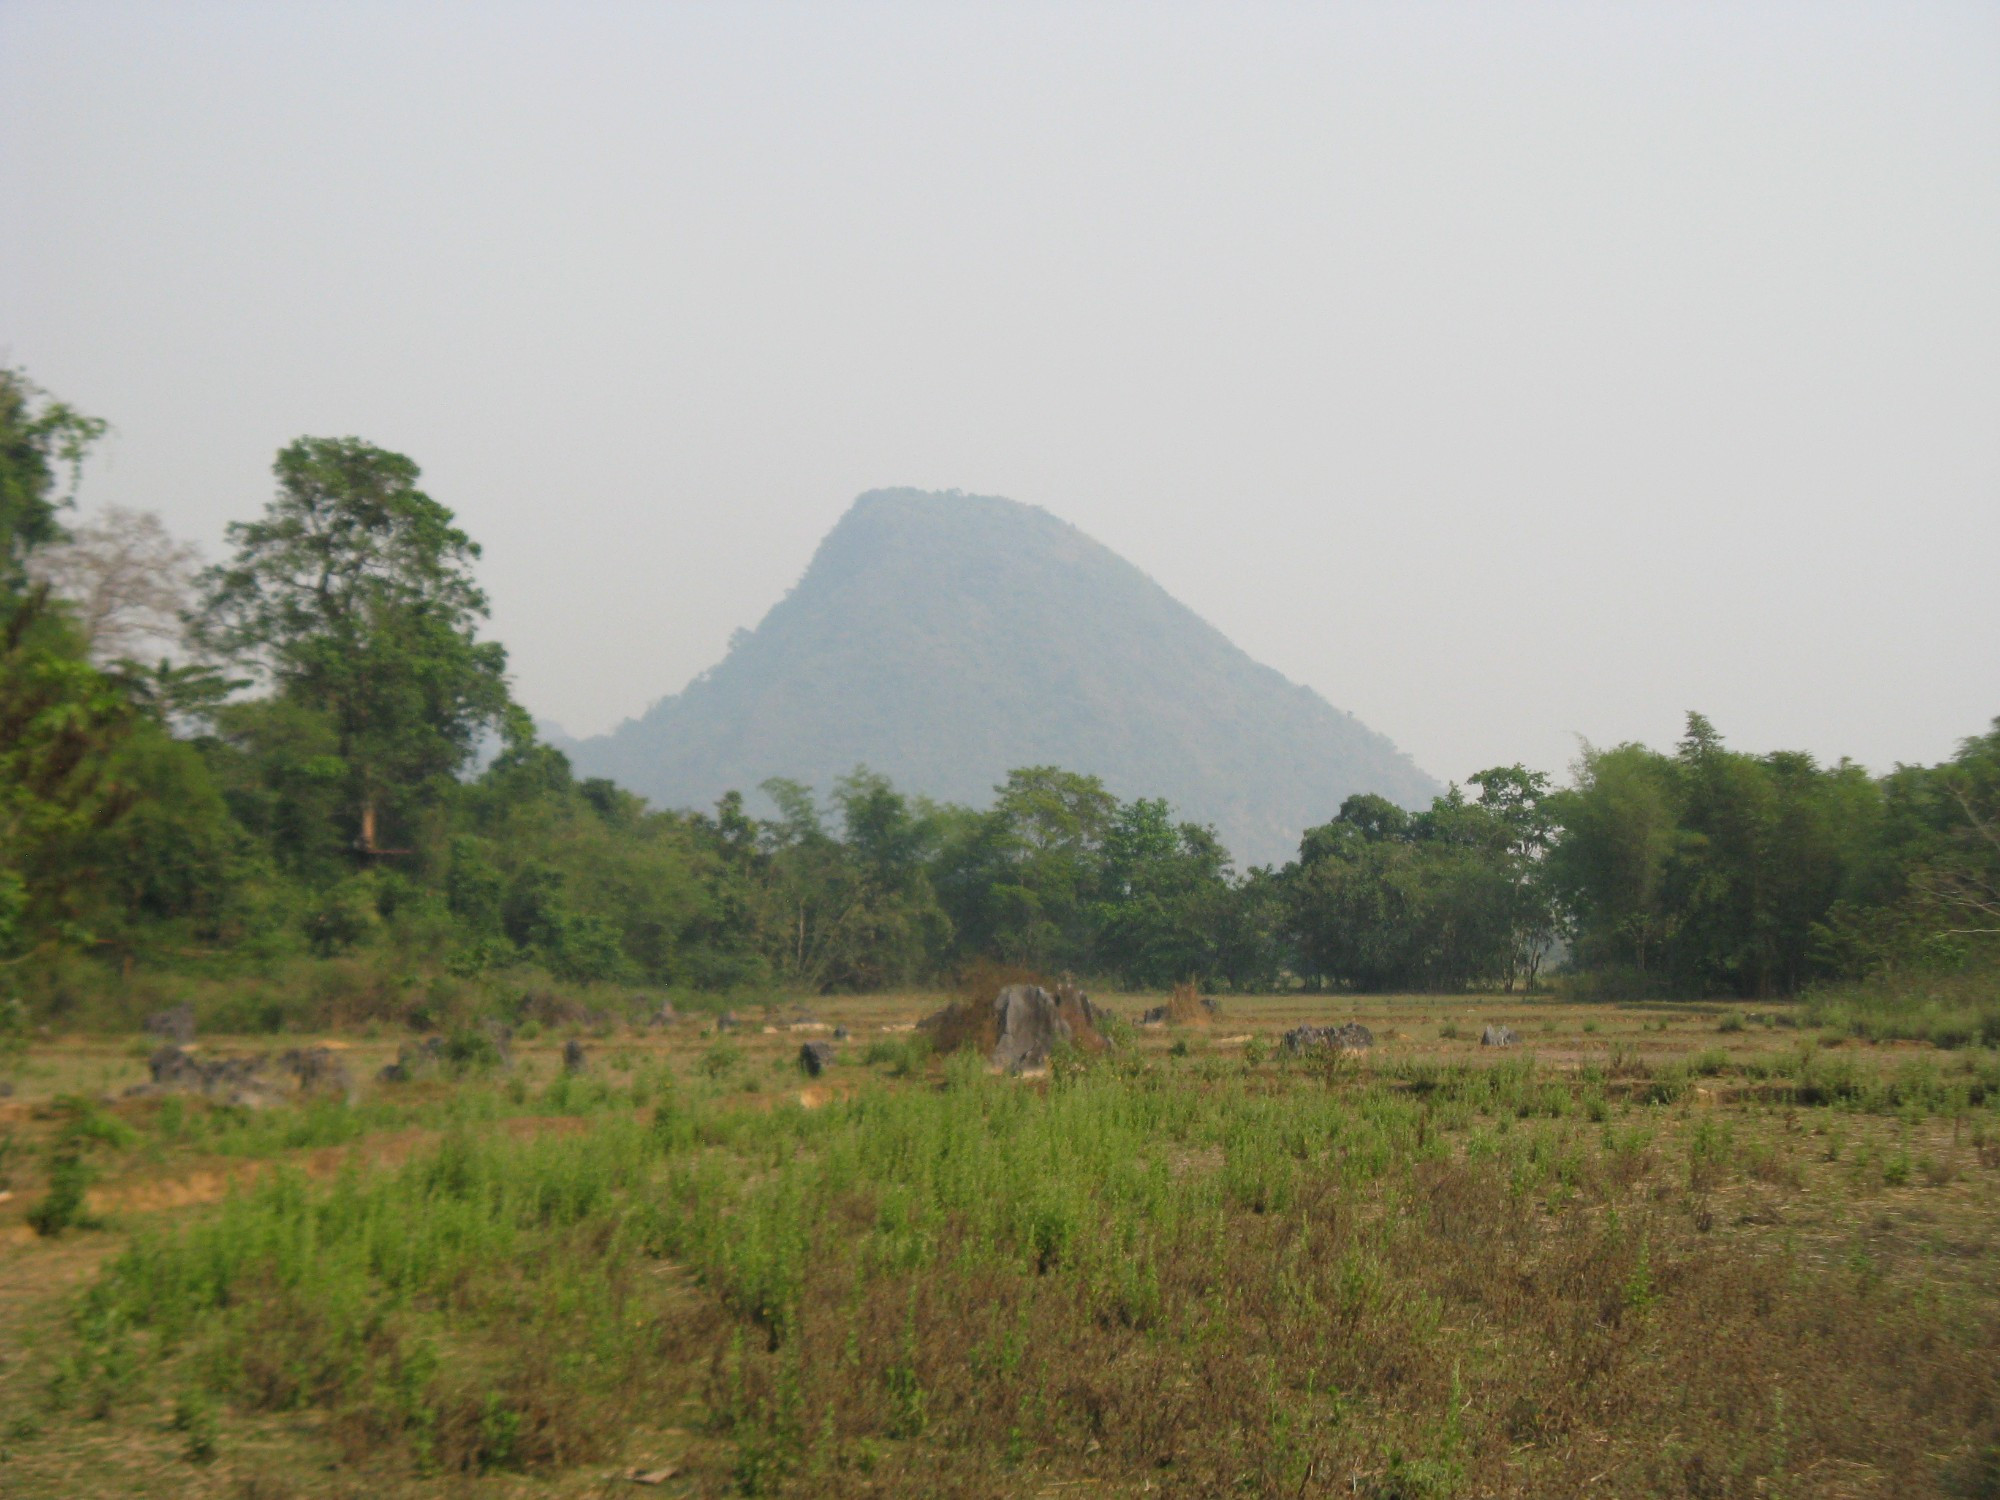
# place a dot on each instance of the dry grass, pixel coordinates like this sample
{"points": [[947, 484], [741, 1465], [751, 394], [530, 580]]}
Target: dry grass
{"points": [[1650, 1252]]}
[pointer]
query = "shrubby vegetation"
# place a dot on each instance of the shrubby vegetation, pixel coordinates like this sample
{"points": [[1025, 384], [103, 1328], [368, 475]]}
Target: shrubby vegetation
{"points": [[1427, 1280], [325, 761]]}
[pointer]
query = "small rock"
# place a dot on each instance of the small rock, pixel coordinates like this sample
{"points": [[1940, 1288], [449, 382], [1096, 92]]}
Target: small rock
{"points": [[664, 1016], [816, 1057], [174, 1025], [1497, 1036], [575, 1060], [727, 1021], [840, 1033]]}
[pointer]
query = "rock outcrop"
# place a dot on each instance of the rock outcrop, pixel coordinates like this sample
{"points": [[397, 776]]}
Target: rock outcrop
{"points": [[1351, 1037], [174, 1026], [257, 1081], [1032, 1022]]}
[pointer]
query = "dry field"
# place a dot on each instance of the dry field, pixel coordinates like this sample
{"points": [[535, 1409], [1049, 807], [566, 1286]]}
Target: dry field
{"points": [[1648, 1250]]}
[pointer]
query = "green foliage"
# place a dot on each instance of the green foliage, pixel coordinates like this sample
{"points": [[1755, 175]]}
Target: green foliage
{"points": [[1455, 896], [919, 1272], [1712, 871], [39, 439], [194, 1418], [354, 593], [62, 1207], [168, 817]]}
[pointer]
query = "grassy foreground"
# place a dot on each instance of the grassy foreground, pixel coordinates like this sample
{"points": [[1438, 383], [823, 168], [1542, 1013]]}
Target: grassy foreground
{"points": [[1651, 1251]]}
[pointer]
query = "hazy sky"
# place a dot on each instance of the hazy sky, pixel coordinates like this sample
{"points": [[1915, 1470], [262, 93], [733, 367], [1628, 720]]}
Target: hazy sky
{"points": [[1507, 373]]}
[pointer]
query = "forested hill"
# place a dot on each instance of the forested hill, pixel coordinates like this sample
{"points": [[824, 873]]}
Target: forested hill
{"points": [[944, 639]]}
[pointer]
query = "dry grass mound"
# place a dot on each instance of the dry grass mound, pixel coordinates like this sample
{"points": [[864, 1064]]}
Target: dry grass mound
{"points": [[1185, 1007], [969, 1021]]}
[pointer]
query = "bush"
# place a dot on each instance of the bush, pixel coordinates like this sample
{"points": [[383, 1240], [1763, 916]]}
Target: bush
{"points": [[62, 1207], [720, 1058], [1960, 1009], [903, 1055]]}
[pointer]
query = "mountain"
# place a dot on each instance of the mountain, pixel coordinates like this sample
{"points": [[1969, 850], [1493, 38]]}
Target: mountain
{"points": [[943, 639]]}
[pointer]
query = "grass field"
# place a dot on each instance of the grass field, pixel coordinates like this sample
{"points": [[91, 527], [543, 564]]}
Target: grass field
{"points": [[1650, 1250]]}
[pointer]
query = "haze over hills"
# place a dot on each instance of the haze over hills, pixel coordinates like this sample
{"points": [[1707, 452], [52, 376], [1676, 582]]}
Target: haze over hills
{"points": [[943, 639]]}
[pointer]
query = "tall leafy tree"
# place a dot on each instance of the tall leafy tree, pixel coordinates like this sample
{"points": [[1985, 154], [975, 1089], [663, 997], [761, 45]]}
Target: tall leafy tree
{"points": [[1019, 879], [1163, 902], [1381, 899], [354, 592], [1621, 826], [42, 440], [61, 721], [1516, 802]]}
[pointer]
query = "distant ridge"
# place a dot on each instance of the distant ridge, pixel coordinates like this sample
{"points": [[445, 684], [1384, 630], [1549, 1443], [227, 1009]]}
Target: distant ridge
{"points": [[945, 638]]}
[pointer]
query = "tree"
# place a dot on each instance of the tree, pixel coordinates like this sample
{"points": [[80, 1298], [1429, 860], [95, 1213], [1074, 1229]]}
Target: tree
{"points": [[126, 580], [1517, 800], [39, 439], [1381, 899], [61, 721], [1620, 823], [1954, 872], [1163, 899], [354, 593], [1018, 880]]}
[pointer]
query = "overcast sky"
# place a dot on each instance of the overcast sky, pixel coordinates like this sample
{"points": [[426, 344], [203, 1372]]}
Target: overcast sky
{"points": [[1508, 373]]}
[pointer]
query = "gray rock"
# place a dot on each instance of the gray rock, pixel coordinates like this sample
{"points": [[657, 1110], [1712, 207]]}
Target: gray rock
{"points": [[1497, 1036], [1351, 1037], [816, 1057], [664, 1016], [175, 1025], [840, 1033], [575, 1060], [250, 1082], [414, 1060], [501, 1036], [1032, 1023], [321, 1072]]}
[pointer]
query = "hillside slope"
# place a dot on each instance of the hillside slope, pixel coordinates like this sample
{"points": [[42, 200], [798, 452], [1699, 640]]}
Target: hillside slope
{"points": [[943, 639]]}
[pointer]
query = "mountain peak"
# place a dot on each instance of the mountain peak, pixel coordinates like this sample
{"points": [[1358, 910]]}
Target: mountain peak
{"points": [[944, 639]]}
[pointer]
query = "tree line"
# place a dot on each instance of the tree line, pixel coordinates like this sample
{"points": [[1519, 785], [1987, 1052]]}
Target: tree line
{"points": [[310, 749]]}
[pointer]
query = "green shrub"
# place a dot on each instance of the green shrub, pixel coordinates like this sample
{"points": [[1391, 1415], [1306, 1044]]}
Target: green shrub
{"points": [[194, 1418], [473, 1049], [904, 1054], [62, 1207], [720, 1058]]}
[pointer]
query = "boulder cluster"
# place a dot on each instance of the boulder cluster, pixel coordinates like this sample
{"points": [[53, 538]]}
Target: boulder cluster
{"points": [[1351, 1037], [256, 1081]]}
